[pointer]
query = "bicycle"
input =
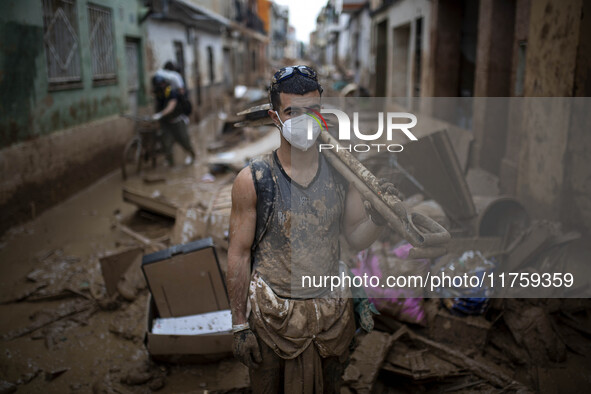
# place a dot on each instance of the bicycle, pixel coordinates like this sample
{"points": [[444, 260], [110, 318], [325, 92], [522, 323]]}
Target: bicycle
{"points": [[144, 146]]}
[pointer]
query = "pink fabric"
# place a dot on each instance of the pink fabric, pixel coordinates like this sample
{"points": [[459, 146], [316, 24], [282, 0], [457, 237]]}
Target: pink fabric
{"points": [[394, 302], [402, 251]]}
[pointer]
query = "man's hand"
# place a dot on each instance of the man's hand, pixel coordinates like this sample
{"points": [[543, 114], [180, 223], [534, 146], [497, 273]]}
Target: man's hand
{"points": [[246, 348], [386, 187], [157, 116]]}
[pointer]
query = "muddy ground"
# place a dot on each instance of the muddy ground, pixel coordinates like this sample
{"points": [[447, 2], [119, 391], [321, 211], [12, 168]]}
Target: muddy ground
{"points": [[100, 349], [81, 345]]}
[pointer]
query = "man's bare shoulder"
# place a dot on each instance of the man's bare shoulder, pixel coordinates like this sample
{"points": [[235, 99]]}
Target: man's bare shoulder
{"points": [[243, 192]]}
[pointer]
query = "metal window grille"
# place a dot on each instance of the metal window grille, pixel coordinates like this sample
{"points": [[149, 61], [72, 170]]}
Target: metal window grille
{"points": [[101, 42], [62, 46]]}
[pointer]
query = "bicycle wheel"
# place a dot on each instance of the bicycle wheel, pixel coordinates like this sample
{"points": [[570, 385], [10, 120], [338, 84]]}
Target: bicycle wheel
{"points": [[131, 163]]}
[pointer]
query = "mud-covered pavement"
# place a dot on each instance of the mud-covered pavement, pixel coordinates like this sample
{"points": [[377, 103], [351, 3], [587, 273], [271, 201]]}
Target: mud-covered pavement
{"points": [[81, 344]]}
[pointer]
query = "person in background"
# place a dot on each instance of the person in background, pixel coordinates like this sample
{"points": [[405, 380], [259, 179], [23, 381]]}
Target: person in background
{"points": [[170, 115], [172, 74]]}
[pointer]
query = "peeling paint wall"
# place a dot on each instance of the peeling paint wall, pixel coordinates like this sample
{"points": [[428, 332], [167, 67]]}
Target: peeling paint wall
{"points": [[32, 107], [553, 170], [553, 41], [55, 141]]}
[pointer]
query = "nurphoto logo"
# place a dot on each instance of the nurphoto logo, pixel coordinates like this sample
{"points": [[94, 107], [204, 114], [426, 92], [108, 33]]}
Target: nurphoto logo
{"points": [[344, 130]]}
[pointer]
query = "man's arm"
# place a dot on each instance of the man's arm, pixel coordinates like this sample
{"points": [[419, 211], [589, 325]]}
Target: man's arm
{"points": [[360, 231], [242, 231], [167, 110], [169, 107]]}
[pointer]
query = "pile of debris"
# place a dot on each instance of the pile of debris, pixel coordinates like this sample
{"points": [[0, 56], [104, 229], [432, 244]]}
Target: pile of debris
{"points": [[459, 339]]}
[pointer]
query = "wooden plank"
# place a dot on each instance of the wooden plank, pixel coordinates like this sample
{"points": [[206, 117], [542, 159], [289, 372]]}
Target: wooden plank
{"points": [[152, 245], [479, 368], [144, 201], [367, 360]]}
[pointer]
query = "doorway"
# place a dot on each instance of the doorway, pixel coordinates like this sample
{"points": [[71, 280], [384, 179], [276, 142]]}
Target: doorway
{"points": [[381, 76], [400, 72], [132, 63]]}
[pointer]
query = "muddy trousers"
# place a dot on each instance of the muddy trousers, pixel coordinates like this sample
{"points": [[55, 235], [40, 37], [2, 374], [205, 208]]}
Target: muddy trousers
{"points": [[306, 374], [172, 132]]}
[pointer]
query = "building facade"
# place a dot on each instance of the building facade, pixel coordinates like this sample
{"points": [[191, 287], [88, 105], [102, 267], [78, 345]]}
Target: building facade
{"points": [[71, 67], [480, 51], [279, 23]]}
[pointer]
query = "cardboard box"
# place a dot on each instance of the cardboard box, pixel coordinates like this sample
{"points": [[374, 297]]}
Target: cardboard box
{"points": [[186, 280], [114, 266]]}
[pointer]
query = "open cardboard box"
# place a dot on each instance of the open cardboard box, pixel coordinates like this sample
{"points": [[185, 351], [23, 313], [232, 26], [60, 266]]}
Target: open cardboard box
{"points": [[186, 280]]}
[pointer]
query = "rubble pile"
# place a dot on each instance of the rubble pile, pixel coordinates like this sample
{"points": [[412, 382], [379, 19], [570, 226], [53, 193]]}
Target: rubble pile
{"points": [[465, 339]]}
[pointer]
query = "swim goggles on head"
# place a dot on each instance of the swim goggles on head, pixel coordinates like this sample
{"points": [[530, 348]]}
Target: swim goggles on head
{"points": [[287, 72]]}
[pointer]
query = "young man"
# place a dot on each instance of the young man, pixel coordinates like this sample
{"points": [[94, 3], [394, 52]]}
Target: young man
{"points": [[288, 210], [171, 118]]}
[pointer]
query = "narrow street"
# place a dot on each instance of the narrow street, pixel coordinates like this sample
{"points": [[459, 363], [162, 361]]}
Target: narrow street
{"points": [[428, 193]]}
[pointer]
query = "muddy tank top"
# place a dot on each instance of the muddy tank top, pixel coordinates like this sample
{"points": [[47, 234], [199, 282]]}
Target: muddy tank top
{"points": [[298, 226]]}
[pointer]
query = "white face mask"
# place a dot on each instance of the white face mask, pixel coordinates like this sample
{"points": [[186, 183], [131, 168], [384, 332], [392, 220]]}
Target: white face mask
{"points": [[301, 132]]}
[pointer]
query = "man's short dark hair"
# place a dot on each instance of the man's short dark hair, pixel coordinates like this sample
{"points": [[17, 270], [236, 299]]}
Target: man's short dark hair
{"points": [[296, 84]]}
